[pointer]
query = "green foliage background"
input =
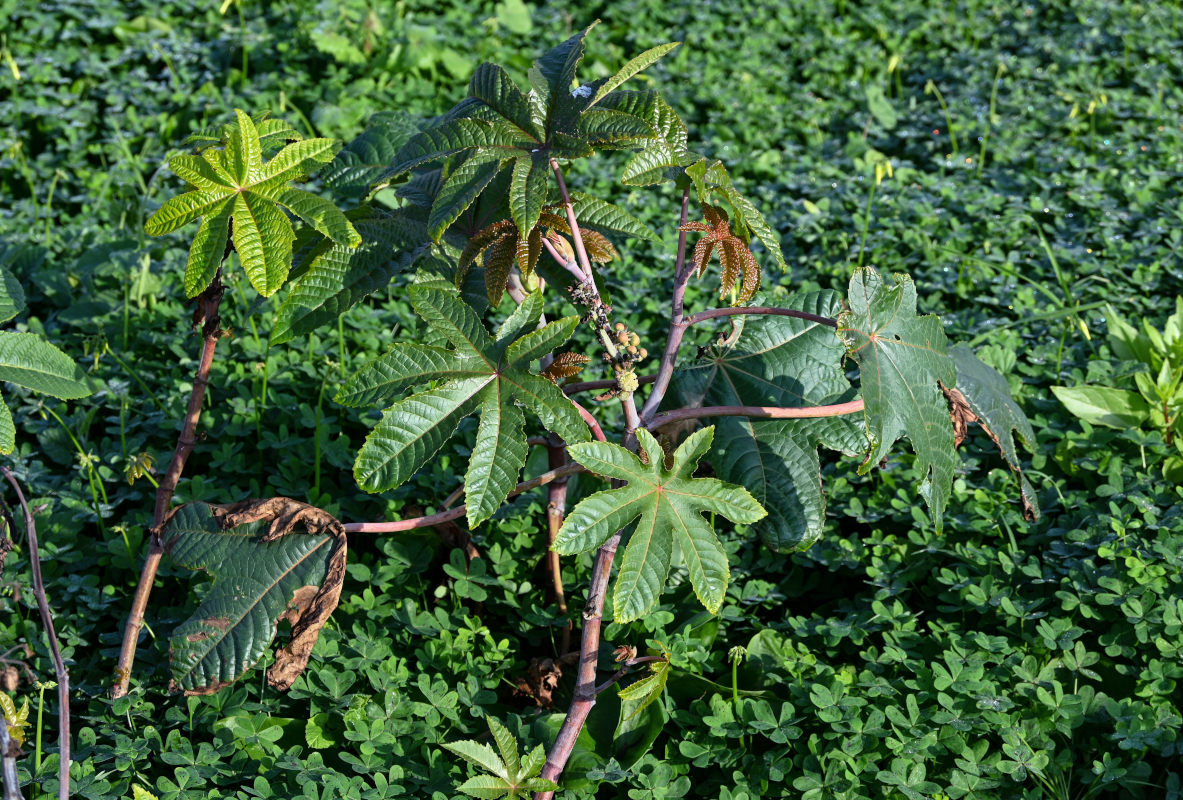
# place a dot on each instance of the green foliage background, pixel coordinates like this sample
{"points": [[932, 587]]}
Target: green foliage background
{"points": [[999, 659]]}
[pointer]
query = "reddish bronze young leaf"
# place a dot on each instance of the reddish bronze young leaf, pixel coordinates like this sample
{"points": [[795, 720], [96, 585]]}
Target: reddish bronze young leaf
{"points": [[739, 265], [565, 365]]}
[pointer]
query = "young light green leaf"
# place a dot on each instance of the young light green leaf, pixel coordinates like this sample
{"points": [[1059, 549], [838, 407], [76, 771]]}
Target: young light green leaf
{"points": [[647, 690], [779, 361], [902, 358], [669, 503], [242, 197], [635, 64], [1102, 405], [507, 746], [510, 777], [480, 373], [480, 756]]}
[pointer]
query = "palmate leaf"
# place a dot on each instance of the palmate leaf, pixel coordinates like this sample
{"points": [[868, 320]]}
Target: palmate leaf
{"points": [[634, 66], [480, 372], [779, 361], [360, 162], [498, 124], [509, 776], [243, 199], [988, 396], [670, 503], [902, 358], [331, 278], [256, 582]]}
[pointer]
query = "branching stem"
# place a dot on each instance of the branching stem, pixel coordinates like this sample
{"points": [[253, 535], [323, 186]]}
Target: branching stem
{"points": [[458, 511], [59, 666], [208, 303], [631, 418]]}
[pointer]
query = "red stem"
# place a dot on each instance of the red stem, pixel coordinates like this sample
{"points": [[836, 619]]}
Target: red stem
{"points": [[59, 666], [458, 511], [631, 418], [665, 371], [702, 316], [596, 430], [209, 302], [556, 508], [608, 383], [757, 412], [570, 266], [585, 680]]}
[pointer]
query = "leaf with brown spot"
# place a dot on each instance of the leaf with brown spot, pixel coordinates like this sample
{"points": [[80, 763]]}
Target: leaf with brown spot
{"points": [[987, 399], [269, 560]]}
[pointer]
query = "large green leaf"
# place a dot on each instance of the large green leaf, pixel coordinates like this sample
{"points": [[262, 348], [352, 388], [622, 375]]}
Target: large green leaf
{"points": [[255, 584], [243, 198], [363, 160], [902, 360], [332, 278], [669, 503], [480, 372], [28, 360], [779, 361], [988, 396]]}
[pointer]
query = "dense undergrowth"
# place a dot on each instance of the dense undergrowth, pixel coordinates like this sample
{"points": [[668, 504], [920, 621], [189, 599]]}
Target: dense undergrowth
{"points": [[999, 659]]}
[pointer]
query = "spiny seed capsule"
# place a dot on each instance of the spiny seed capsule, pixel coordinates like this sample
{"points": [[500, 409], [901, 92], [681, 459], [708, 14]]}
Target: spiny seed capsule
{"points": [[642, 353], [622, 337], [634, 340], [620, 326], [632, 349]]}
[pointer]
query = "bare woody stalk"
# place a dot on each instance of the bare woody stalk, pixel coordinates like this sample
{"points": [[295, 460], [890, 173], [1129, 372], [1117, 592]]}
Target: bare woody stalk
{"points": [[208, 303], [59, 666], [556, 508], [665, 370], [8, 754], [584, 698]]}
